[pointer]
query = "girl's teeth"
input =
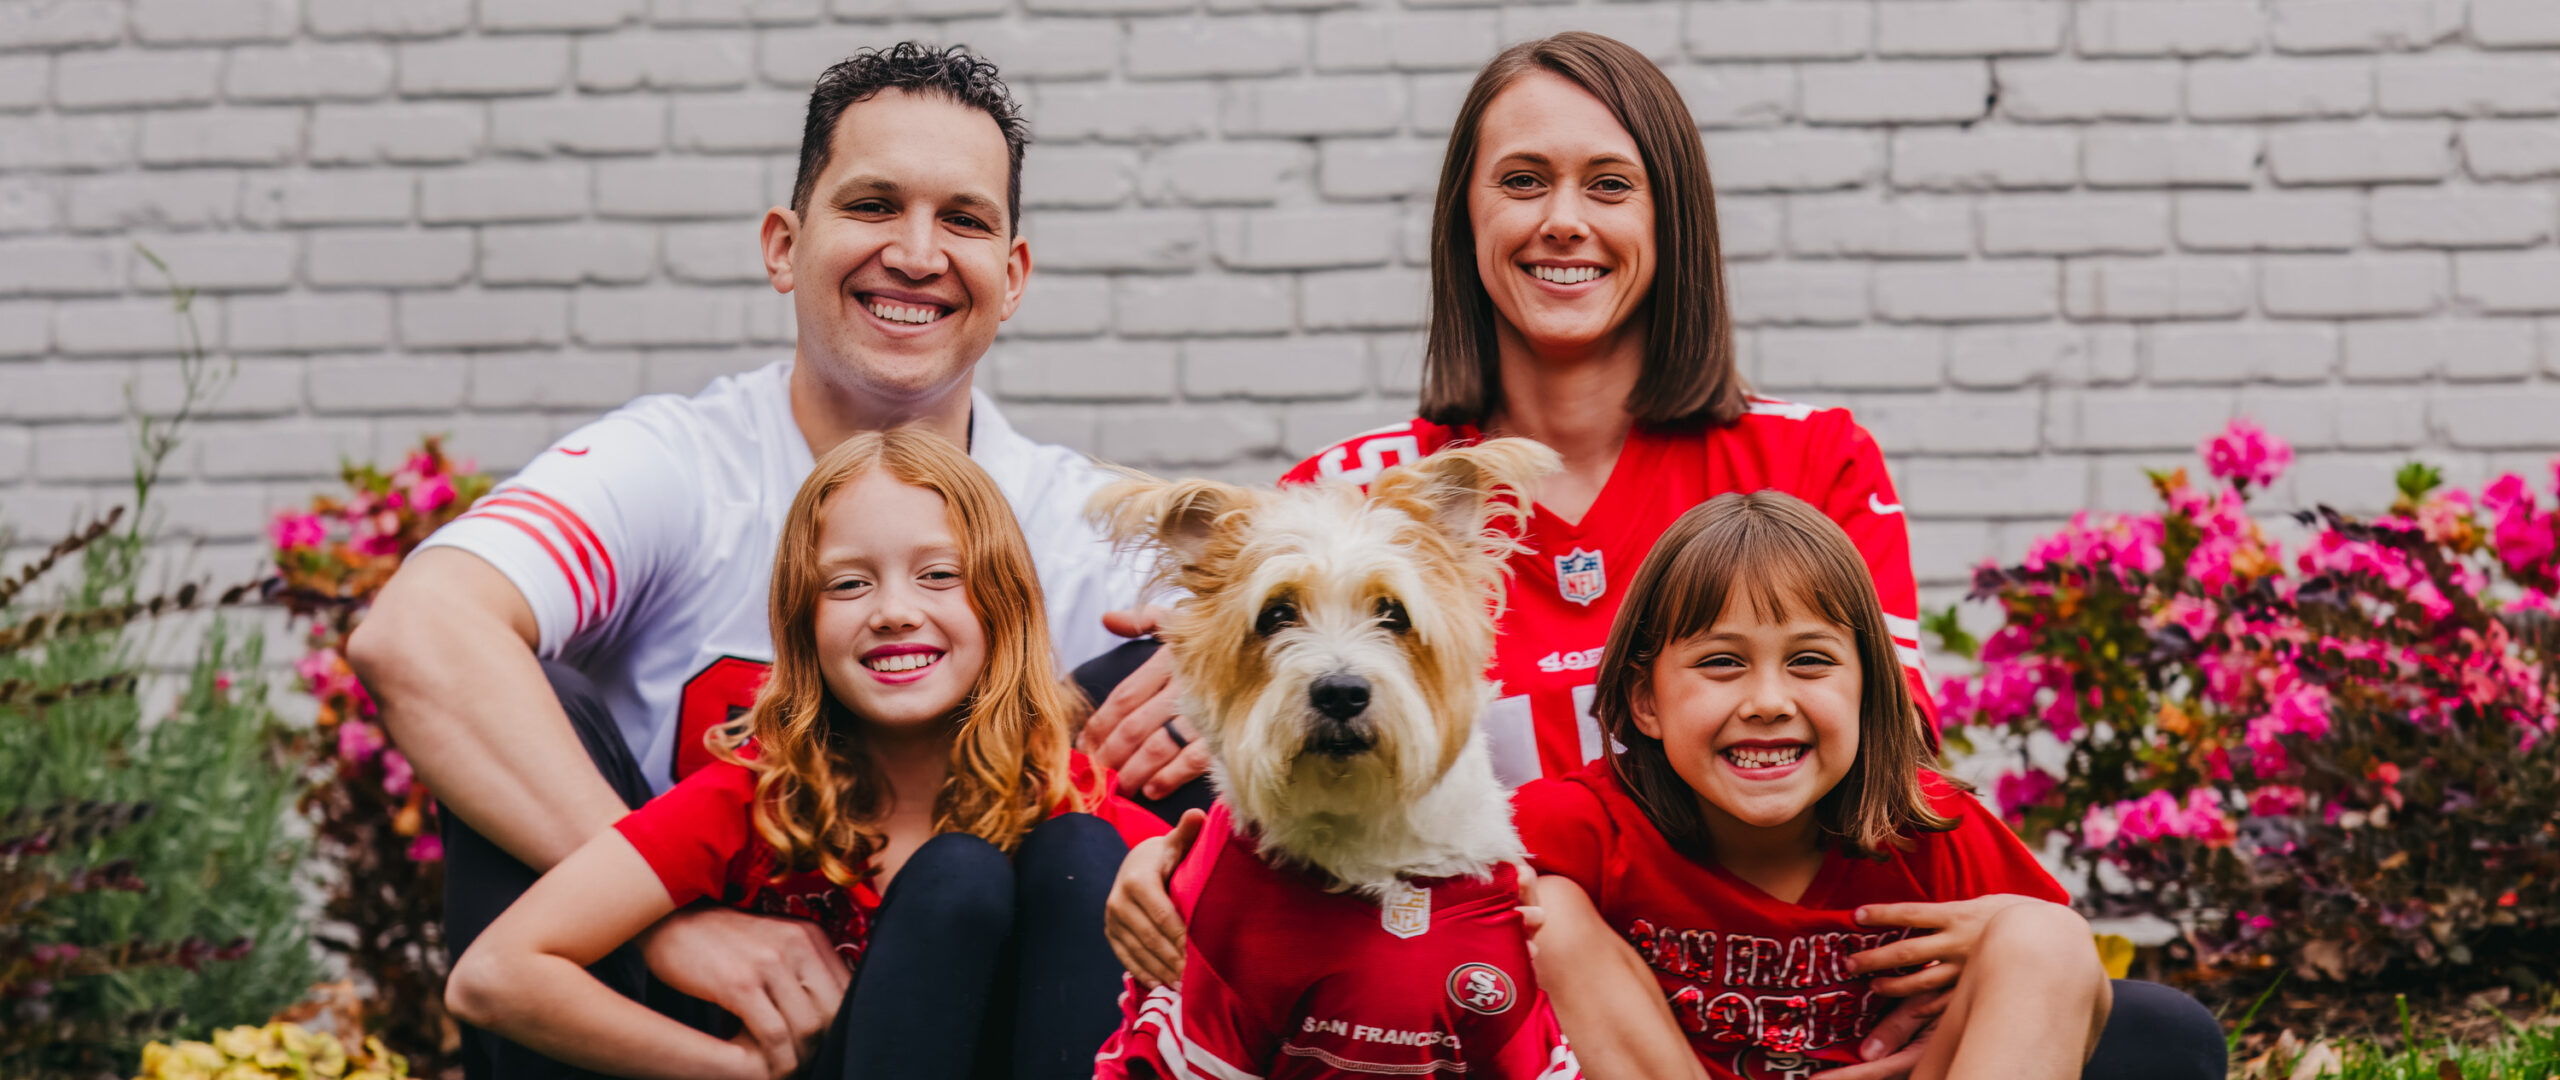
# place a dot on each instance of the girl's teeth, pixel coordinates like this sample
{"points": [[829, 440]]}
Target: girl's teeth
{"points": [[903, 313], [902, 662], [1765, 759], [1565, 275]]}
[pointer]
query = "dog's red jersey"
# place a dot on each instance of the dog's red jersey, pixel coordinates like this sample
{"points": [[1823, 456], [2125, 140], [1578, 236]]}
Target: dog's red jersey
{"points": [[1564, 590], [1755, 981], [1281, 978]]}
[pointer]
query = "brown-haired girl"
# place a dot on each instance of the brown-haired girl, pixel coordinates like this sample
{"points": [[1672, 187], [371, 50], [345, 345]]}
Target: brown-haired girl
{"points": [[904, 782], [1768, 832]]}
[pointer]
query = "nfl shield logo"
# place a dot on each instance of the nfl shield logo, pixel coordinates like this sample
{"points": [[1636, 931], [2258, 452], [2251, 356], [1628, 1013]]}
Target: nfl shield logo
{"points": [[1579, 576]]}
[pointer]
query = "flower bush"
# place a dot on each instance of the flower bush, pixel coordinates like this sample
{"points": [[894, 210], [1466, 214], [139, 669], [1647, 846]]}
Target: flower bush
{"points": [[278, 1050], [374, 820], [2341, 761]]}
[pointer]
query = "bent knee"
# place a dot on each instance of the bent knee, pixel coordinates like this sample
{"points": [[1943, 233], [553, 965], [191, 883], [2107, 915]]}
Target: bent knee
{"points": [[2049, 935], [958, 880]]}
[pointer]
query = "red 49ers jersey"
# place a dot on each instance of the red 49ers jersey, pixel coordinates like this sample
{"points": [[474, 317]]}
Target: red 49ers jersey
{"points": [[1565, 589], [1281, 978], [1757, 982]]}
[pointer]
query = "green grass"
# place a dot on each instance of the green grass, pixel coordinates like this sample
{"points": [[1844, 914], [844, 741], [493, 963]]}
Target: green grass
{"points": [[2523, 1053]]}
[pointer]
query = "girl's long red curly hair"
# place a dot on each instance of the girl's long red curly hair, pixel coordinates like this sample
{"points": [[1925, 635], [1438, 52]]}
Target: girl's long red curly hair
{"points": [[819, 796]]}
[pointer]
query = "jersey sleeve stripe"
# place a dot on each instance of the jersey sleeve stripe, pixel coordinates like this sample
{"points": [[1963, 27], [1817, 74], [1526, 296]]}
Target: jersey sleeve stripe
{"points": [[576, 591], [612, 577], [1190, 1060], [508, 500]]}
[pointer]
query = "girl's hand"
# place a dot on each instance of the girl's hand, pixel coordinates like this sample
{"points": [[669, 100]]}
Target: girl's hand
{"points": [[1139, 919], [1956, 928], [756, 1061], [1893, 1049]]}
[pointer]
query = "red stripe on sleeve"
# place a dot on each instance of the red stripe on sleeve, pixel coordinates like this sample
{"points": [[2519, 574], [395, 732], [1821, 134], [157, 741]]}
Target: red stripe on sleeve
{"points": [[577, 546], [575, 591], [612, 577]]}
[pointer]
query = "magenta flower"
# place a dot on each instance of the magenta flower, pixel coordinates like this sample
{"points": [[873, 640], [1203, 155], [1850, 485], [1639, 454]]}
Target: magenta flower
{"points": [[358, 741], [426, 847], [432, 494], [2276, 800], [396, 772], [2246, 455], [297, 531], [2018, 791]]}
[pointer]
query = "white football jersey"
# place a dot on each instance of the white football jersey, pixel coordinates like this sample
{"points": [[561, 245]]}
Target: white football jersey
{"points": [[644, 544]]}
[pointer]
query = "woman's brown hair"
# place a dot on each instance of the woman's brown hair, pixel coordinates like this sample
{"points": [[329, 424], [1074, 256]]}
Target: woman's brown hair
{"points": [[818, 793], [1777, 553], [1689, 376]]}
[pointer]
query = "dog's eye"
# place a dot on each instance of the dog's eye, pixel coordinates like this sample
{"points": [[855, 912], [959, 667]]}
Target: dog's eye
{"points": [[1391, 615], [1276, 616]]}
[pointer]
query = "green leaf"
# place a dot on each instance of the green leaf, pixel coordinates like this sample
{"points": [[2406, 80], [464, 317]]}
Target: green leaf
{"points": [[1950, 633], [2416, 479]]}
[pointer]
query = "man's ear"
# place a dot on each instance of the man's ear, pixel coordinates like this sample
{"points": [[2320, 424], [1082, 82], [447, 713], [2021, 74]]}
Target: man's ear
{"points": [[1458, 487], [1178, 516], [1017, 273], [781, 234]]}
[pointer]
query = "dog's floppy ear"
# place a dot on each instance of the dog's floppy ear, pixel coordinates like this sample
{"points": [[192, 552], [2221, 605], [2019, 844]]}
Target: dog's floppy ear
{"points": [[1178, 516], [1460, 484]]}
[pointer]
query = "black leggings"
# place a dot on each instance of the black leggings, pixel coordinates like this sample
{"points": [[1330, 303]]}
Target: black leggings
{"points": [[978, 966], [2156, 1033]]}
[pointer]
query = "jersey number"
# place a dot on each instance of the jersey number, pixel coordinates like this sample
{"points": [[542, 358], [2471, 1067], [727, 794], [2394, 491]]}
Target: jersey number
{"points": [[714, 696]]}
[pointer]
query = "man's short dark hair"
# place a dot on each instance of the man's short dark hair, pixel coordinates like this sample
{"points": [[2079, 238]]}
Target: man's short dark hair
{"points": [[955, 73]]}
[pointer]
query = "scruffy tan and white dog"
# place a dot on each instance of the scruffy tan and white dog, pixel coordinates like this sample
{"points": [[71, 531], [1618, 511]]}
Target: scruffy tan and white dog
{"points": [[1351, 901]]}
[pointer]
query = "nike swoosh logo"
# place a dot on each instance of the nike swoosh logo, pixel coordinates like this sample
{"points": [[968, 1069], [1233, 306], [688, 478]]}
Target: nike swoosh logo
{"points": [[1876, 503], [579, 452]]}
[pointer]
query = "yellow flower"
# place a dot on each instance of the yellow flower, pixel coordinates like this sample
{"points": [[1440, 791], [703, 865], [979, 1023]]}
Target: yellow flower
{"points": [[243, 1042], [155, 1058], [244, 1071], [201, 1056], [329, 1057]]}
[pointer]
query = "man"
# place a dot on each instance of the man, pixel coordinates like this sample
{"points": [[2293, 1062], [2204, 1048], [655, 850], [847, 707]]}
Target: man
{"points": [[552, 658]]}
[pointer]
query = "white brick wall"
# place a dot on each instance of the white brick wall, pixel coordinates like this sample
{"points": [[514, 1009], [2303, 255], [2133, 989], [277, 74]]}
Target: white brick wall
{"points": [[2037, 244]]}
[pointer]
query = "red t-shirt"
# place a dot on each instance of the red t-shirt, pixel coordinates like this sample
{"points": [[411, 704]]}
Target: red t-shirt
{"points": [[700, 838], [1565, 589], [1754, 980], [1282, 978]]}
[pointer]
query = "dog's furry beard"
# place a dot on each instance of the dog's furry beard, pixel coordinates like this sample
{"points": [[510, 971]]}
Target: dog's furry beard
{"points": [[1332, 649]]}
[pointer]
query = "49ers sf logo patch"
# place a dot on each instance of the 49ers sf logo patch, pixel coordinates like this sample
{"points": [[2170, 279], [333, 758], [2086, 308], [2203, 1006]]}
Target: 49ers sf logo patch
{"points": [[1480, 987]]}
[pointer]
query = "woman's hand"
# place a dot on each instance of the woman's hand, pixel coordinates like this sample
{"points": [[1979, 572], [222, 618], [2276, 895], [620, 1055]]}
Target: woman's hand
{"points": [[1956, 928], [1139, 919]]}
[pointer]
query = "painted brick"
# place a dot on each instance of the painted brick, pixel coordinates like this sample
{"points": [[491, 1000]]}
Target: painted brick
{"points": [[67, 142], [1193, 48], [1355, 105], [1093, 370], [433, 134], [498, 318], [216, 262], [1154, 112], [1985, 159], [1188, 435], [127, 79], [1863, 225], [2156, 28], [1824, 29], [483, 193], [2513, 418], [514, 15], [1062, 305], [1973, 292], [1309, 429], [26, 327], [719, 252], [1228, 304], [387, 18], [380, 385], [1993, 488], [2290, 221], [286, 450], [2509, 282], [1792, 359], [389, 258], [76, 390], [2492, 349], [791, 58], [1748, 228], [1423, 41], [1793, 293], [678, 188], [1896, 92], [328, 198], [156, 200], [23, 81], [2515, 24], [2249, 352], [737, 123], [1376, 168], [129, 327], [90, 454], [2040, 91], [632, 125], [2279, 89], [242, 136], [2511, 149], [66, 22], [1738, 95], [308, 323], [661, 316], [2100, 289], [58, 267], [2359, 153], [1365, 300], [1435, 102], [2470, 85], [2370, 286], [1039, 50], [1305, 239], [485, 66], [688, 60], [1955, 424], [2336, 26], [308, 72], [256, 387], [2117, 420], [2378, 419], [1227, 174], [2075, 225], [1999, 357], [1089, 177], [1155, 240], [1651, 29], [1969, 28], [31, 204], [2491, 217], [546, 380], [1793, 160]]}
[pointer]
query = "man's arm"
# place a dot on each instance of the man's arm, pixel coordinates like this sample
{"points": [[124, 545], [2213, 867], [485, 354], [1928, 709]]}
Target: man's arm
{"points": [[448, 652]]}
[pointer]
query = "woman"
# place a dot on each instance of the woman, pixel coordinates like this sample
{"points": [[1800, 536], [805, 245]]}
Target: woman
{"points": [[1578, 298]]}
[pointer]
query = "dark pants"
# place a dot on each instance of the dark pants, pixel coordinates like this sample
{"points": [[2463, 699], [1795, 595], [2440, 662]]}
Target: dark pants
{"points": [[2157, 1033], [970, 952]]}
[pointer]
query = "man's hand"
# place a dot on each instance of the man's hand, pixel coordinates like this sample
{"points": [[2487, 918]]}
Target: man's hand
{"points": [[1145, 931], [779, 977], [1956, 930], [1128, 732], [1894, 1047]]}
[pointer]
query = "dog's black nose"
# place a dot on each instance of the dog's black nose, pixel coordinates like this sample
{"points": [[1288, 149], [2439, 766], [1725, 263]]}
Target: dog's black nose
{"points": [[1340, 697]]}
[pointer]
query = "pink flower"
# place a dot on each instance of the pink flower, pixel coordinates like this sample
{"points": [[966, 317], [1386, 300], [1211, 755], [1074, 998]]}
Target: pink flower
{"points": [[358, 741], [2062, 716], [2099, 828], [222, 680], [2017, 792], [2246, 455], [396, 773], [426, 847], [296, 531], [420, 464], [432, 494], [2276, 800]]}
